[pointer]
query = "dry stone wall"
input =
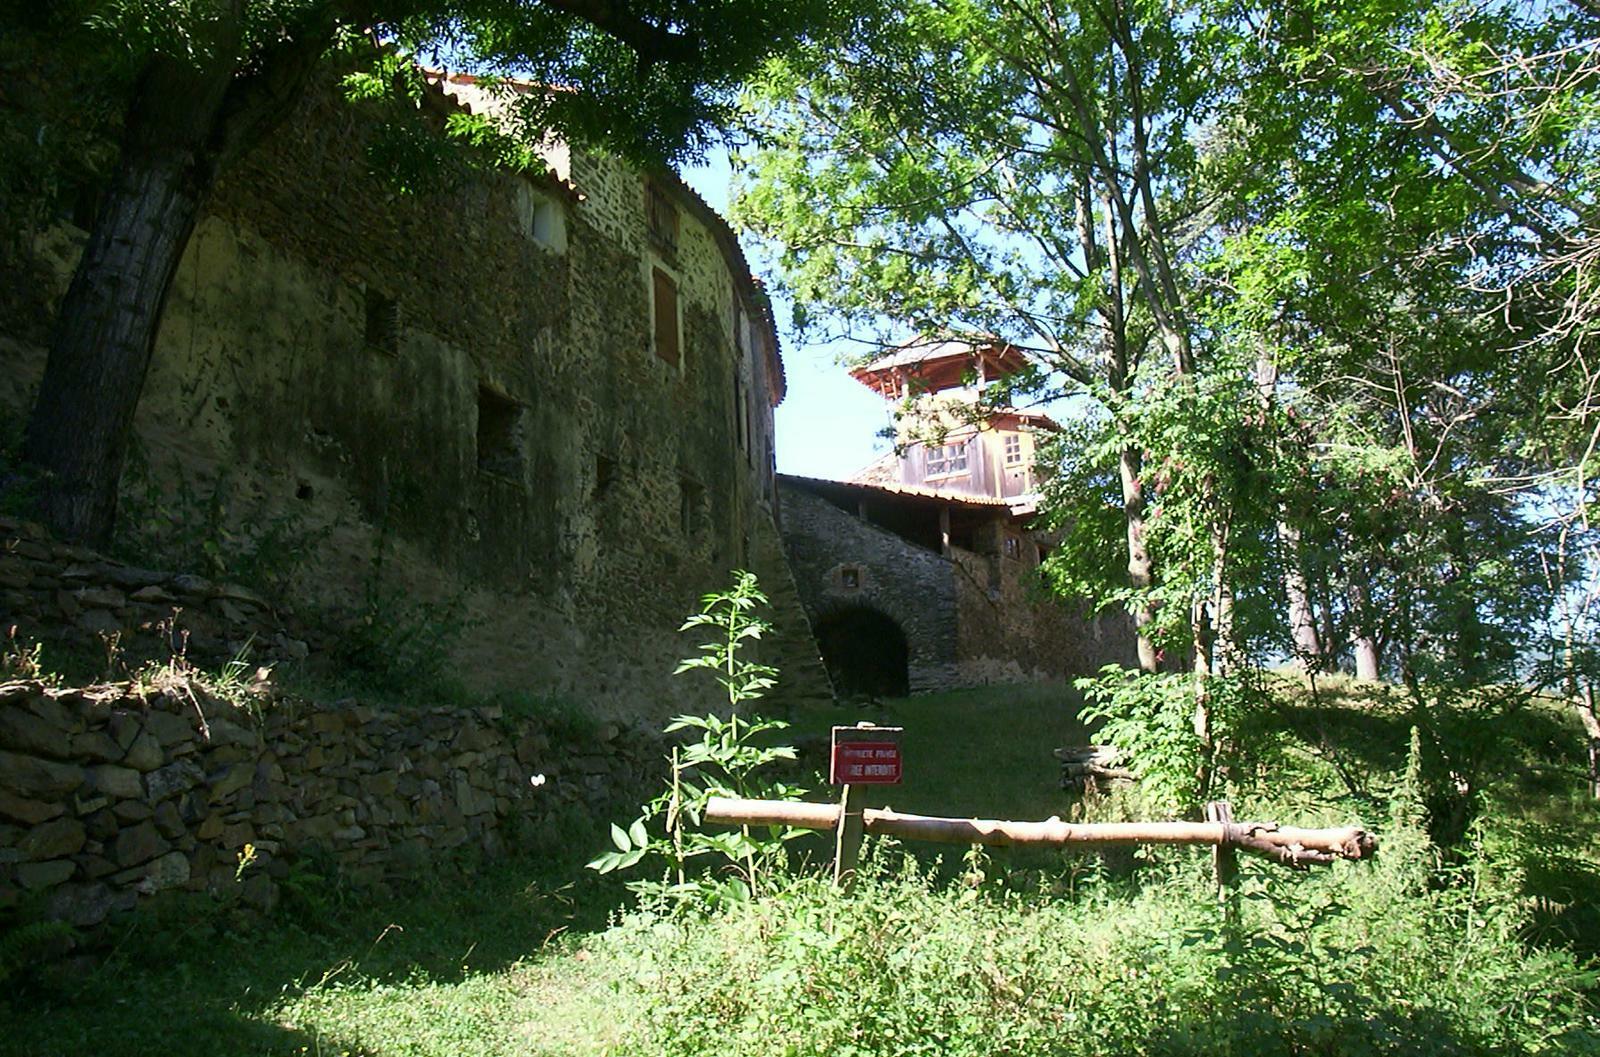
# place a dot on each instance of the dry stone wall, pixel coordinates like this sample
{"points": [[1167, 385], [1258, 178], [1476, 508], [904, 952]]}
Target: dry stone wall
{"points": [[112, 794], [61, 596]]}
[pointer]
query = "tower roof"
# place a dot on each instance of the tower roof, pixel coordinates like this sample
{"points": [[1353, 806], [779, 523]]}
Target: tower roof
{"points": [[934, 362]]}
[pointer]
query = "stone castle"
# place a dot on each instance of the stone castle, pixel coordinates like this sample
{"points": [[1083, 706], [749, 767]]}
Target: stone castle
{"points": [[546, 399]]}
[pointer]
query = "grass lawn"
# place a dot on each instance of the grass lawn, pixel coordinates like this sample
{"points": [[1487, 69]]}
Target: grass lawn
{"points": [[983, 752]]}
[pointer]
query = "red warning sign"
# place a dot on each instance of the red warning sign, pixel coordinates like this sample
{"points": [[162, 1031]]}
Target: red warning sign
{"points": [[865, 762]]}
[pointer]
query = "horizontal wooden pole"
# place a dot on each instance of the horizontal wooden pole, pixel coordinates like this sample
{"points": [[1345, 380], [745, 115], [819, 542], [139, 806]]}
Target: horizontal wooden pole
{"points": [[1287, 844], [1101, 754]]}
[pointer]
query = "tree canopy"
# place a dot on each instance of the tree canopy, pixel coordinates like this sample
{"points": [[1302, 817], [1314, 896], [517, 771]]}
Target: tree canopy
{"points": [[1321, 276]]}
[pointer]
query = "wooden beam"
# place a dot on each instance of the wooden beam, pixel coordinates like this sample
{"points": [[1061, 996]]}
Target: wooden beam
{"points": [[1285, 844]]}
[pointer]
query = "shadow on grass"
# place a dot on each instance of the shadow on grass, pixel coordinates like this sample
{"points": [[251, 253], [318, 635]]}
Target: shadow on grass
{"points": [[1527, 764], [1361, 1027], [182, 977]]}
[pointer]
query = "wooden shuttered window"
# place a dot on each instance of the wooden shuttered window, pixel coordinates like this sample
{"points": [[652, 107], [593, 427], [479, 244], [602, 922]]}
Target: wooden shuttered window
{"points": [[666, 315]]}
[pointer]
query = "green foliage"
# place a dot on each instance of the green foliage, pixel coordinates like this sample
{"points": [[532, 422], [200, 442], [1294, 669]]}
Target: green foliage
{"points": [[1324, 282], [649, 84], [1337, 963], [1150, 717], [725, 761], [731, 614]]}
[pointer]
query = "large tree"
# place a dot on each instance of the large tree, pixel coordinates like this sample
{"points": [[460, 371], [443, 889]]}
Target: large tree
{"points": [[205, 79], [1265, 239], [1001, 166]]}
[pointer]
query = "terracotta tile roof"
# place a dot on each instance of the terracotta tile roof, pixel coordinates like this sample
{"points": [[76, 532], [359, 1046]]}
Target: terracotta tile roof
{"points": [[470, 94], [882, 470], [912, 491]]}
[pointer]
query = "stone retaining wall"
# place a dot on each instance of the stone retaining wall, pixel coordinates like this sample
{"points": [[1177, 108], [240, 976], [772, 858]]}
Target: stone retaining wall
{"points": [[57, 594], [111, 794]]}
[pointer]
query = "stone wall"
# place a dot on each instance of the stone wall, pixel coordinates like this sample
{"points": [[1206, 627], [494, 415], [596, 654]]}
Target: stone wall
{"points": [[111, 794], [974, 618], [1011, 632], [911, 585], [71, 599]]}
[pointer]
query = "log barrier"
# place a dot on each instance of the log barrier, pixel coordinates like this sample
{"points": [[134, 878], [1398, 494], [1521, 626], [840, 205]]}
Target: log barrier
{"points": [[1288, 845]]}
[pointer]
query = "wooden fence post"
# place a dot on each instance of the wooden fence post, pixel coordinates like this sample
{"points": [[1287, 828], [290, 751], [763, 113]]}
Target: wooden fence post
{"points": [[847, 840], [1224, 858]]}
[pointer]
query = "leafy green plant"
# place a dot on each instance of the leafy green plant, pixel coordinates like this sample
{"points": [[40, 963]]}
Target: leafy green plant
{"points": [[20, 659], [1150, 717], [725, 761]]}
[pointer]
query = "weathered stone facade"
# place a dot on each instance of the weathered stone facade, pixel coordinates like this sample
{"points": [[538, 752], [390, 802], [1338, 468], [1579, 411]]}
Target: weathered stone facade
{"points": [[915, 588], [462, 394], [112, 794], [970, 618]]}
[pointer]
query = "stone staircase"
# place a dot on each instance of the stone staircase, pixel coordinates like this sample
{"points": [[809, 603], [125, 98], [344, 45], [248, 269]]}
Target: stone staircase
{"points": [[790, 646]]}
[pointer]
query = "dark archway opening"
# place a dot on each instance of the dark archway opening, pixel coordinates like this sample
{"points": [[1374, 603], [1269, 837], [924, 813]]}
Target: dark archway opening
{"points": [[866, 653]]}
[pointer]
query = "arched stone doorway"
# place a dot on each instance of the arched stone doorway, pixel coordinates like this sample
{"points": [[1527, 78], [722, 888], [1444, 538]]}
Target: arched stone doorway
{"points": [[866, 653]]}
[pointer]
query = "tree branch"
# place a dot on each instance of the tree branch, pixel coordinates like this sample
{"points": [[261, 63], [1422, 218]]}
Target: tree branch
{"points": [[652, 43]]}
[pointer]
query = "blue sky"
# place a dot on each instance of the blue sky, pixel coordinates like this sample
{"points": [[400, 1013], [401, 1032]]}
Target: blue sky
{"points": [[828, 424]]}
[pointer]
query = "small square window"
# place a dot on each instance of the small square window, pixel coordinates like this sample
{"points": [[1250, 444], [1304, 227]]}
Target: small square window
{"points": [[691, 498], [1013, 448], [382, 322], [541, 217], [499, 434], [945, 460], [850, 577], [1012, 547]]}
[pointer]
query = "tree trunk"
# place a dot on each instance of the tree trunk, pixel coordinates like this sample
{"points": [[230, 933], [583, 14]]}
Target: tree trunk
{"points": [[107, 322], [185, 120], [1366, 654], [1130, 461], [1140, 569], [1590, 715], [1362, 642], [1302, 621]]}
